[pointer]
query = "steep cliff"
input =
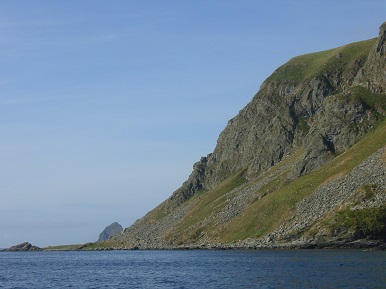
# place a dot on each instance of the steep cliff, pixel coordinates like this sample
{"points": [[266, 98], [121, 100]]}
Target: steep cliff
{"points": [[308, 145]]}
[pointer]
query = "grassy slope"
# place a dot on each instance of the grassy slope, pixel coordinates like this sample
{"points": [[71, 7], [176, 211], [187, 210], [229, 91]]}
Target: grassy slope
{"points": [[75, 247], [71, 247], [206, 204], [307, 66]]}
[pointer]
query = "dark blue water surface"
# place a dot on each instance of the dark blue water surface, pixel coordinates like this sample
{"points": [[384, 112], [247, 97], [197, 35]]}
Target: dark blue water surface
{"points": [[194, 269]]}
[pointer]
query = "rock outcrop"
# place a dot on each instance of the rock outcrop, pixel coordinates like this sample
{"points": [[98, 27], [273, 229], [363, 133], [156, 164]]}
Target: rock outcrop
{"points": [[23, 247], [109, 232], [373, 73], [292, 158]]}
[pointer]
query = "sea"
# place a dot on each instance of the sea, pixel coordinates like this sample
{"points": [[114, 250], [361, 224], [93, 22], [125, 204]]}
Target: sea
{"points": [[194, 269]]}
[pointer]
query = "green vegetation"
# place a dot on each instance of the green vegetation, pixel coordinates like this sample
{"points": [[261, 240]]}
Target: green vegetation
{"points": [[315, 64], [369, 99], [64, 247], [370, 223], [207, 203], [303, 126], [75, 247], [157, 213], [98, 246]]}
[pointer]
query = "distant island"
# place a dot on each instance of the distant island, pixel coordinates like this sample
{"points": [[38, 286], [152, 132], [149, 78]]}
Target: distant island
{"points": [[23, 247]]}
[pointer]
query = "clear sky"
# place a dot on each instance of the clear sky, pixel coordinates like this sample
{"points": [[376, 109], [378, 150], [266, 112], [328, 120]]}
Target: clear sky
{"points": [[106, 105]]}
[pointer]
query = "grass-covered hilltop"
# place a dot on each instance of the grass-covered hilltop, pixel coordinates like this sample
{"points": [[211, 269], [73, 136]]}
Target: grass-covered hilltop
{"points": [[302, 165]]}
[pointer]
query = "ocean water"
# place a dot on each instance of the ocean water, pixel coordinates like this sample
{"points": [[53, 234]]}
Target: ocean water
{"points": [[194, 269]]}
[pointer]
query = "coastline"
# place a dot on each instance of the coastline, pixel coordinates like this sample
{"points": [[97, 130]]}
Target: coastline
{"points": [[361, 244]]}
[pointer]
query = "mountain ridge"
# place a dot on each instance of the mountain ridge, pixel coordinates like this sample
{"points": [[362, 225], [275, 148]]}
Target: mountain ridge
{"points": [[270, 161]]}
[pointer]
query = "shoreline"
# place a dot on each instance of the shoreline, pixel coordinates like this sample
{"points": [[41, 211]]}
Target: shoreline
{"points": [[362, 244]]}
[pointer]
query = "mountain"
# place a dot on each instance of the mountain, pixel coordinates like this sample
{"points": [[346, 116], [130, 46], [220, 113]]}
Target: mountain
{"points": [[109, 231], [301, 165]]}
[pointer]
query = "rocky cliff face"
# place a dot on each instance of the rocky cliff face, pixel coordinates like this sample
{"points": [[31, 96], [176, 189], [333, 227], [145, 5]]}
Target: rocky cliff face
{"points": [[373, 74], [307, 114], [109, 231], [308, 104]]}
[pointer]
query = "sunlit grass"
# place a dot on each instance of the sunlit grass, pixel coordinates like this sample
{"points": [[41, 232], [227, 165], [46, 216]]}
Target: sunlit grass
{"points": [[207, 203], [316, 64]]}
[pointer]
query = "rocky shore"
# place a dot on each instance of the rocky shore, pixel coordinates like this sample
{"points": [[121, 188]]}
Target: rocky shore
{"points": [[364, 244]]}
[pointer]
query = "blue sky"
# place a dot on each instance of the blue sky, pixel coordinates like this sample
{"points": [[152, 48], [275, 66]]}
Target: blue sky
{"points": [[106, 105]]}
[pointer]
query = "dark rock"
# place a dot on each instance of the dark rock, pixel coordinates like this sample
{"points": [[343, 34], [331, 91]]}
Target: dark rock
{"points": [[110, 231], [23, 247]]}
